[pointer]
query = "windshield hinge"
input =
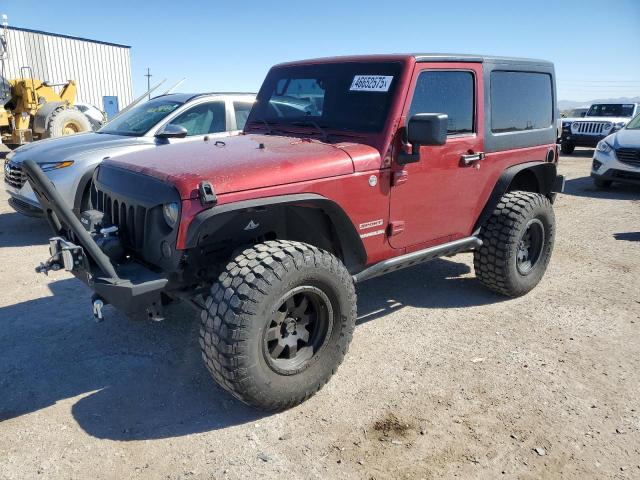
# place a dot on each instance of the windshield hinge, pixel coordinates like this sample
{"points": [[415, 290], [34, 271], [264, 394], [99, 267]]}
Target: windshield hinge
{"points": [[207, 194]]}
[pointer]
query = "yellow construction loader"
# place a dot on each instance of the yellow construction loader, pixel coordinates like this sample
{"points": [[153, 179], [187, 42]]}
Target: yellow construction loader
{"points": [[31, 109]]}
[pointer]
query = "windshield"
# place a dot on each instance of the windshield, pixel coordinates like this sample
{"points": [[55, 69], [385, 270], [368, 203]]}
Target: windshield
{"points": [[634, 124], [611, 110], [350, 96], [141, 118], [577, 113]]}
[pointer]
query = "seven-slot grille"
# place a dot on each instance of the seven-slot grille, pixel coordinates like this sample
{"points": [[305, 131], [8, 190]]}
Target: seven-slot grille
{"points": [[14, 176], [591, 128], [130, 219], [630, 156]]}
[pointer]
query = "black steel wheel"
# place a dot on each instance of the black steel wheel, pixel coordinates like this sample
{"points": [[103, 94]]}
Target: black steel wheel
{"points": [[530, 246], [299, 329]]}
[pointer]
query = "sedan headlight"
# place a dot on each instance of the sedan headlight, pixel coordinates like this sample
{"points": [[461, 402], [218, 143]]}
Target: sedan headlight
{"points": [[604, 147], [48, 166], [171, 212]]}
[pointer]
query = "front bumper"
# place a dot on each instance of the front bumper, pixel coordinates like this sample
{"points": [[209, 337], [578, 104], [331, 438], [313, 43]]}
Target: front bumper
{"points": [[24, 207], [582, 140], [621, 176], [130, 286], [606, 166], [134, 289]]}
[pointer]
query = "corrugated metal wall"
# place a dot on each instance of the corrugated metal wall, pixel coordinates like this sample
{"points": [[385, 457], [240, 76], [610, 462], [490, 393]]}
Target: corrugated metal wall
{"points": [[99, 69]]}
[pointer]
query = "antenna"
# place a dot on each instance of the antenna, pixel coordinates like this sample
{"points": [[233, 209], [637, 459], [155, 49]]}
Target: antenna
{"points": [[148, 75]]}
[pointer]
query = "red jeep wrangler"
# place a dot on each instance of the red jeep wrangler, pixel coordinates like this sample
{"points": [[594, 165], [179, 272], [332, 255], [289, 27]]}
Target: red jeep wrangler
{"points": [[348, 168]]}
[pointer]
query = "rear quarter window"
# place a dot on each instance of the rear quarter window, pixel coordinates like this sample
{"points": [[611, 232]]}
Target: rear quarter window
{"points": [[520, 101]]}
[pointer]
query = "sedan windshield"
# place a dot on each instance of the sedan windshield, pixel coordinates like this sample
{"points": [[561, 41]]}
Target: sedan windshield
{"points": [[634, 124], [350, 96], [611, 110], [141, 118]]}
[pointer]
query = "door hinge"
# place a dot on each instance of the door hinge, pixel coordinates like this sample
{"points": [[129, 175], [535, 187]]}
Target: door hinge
{"points": [[396, 227], [399, 178]]}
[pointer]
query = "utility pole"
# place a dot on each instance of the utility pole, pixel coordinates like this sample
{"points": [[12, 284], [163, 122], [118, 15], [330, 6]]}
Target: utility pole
{"points": [[148, 75]]}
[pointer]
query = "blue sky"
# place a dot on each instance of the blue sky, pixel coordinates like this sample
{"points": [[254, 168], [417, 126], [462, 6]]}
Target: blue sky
{"points": [[220, 45]]}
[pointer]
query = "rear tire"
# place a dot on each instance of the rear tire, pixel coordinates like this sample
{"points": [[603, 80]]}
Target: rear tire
{"points": [[567, 148], [517, 243], [603, 184], [278, 323], [66, 121]]}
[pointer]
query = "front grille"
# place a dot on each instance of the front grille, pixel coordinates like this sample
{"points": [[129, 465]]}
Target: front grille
{"points": [[130, 219], [14, 176], [630, 156], [591, 128]]}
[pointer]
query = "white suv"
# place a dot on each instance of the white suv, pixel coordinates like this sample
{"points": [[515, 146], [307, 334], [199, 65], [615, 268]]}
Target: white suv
{"points": [[617, 157]]}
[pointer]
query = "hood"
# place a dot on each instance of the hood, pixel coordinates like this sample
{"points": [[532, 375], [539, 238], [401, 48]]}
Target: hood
{"points": [[625, 139], [243, 162], [72, 146]]}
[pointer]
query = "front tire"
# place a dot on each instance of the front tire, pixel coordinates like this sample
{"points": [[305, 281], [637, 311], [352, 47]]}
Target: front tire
{"points": [[517, 243], [567, 148], [278, 323]]}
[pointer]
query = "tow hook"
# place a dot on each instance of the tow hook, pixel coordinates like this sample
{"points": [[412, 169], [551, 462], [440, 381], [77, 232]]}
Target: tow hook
{"points": [[97, 303], [46, 266]]}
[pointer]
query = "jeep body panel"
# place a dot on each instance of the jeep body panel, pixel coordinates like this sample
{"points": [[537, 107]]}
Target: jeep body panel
{"points": [[344, 191]]}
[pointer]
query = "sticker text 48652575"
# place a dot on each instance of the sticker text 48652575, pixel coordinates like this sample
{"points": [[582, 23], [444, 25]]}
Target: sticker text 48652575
{"points": [[371, 83]]}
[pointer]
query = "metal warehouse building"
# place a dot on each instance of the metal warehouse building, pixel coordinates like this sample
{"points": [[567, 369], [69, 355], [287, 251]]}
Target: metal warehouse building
{"points": [[102, 70]]}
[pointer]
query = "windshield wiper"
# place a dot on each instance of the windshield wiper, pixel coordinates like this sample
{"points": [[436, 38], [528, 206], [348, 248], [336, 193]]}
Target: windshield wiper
{"points": [[266, 124], [313, 123]]}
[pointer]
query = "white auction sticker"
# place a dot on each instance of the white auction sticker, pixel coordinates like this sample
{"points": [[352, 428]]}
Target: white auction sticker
{"points": [[371, 83]]}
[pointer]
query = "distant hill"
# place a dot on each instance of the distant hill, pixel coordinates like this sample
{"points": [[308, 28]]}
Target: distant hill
{"points": [[567, 104]]}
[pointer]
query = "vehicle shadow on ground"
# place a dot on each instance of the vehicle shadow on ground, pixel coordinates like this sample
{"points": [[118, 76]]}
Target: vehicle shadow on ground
{"points": [[627, 236], [139, 380], [17, 230], [580, 152], [436, 284], [584, 187]]}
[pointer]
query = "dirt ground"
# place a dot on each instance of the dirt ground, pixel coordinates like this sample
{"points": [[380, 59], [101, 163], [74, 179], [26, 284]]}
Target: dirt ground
{"points": [[443, 379]]}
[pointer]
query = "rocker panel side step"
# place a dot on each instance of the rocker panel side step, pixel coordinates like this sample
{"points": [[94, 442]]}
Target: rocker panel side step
{"points": [[415, 258]]}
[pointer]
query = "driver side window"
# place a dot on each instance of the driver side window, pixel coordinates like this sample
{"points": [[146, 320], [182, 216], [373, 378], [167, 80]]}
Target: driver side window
{"points": [[203, 119]]}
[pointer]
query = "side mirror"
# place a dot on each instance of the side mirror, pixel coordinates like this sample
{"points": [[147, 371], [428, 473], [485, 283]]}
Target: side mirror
{"points": [[424, 129], [172, 131]]}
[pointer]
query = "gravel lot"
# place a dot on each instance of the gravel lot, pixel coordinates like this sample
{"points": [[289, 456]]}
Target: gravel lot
{"points": [[443, 379]]}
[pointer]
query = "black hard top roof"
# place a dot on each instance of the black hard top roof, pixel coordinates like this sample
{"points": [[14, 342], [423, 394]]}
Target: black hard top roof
{"points": [[426, 57]]}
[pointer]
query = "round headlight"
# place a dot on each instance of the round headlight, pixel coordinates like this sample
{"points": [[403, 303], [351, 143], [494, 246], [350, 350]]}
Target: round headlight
{"points": [[606, 126], [171, 211]]}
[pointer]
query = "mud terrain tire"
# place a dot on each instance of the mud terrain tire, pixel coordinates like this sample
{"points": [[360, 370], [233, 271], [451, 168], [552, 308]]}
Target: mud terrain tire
{"points": [[517, 243], [258, 305]]}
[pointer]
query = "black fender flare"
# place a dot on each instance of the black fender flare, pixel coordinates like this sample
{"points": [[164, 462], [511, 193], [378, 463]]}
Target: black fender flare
{"points": [[545, 173], [215, 218]]}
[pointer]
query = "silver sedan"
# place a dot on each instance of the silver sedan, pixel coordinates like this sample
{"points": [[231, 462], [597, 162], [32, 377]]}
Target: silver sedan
{"points": [[70, 161]]}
